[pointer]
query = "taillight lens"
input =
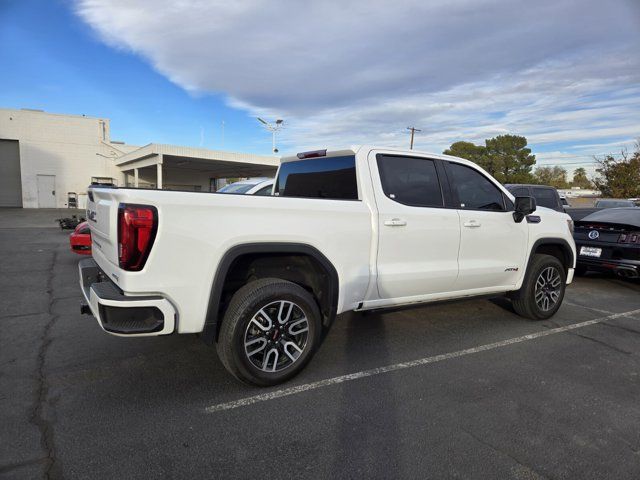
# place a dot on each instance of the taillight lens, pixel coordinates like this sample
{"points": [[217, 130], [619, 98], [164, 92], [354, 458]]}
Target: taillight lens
{"points": [[137, 226], [633, 237]]}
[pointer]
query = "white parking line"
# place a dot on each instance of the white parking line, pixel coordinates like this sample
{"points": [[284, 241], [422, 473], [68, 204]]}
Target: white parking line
{"points": [[243, 402], [585, 306]]}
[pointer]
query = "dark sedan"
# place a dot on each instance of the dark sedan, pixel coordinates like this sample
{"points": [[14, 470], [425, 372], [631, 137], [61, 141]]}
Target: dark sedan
{"points": [[609, 240]]}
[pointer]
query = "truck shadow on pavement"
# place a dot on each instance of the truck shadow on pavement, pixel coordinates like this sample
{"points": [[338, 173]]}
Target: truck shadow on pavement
{"points": [[370, 433]]}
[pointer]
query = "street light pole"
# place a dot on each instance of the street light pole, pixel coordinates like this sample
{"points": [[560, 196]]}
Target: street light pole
{"points": [[273, 128], [413, 131]]}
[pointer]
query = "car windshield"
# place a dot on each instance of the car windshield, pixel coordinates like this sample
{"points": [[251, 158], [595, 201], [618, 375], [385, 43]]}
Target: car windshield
{"points": [[237, 188]]}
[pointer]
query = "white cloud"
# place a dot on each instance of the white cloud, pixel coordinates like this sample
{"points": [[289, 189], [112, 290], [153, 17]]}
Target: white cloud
{"points": [[561, 72]]}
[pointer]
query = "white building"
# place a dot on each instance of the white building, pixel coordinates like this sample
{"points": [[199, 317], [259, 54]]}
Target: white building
{"points": [[48, 160]]}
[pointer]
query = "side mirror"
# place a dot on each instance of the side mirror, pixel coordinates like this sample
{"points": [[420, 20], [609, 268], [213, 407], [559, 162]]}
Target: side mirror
{"points": [[524, 206]]}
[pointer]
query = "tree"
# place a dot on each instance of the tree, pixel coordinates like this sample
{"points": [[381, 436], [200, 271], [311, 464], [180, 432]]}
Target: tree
{"points": [[468, 150], [510, 158], [580, 179], [554, 176], [619, 178], [505, 157]]}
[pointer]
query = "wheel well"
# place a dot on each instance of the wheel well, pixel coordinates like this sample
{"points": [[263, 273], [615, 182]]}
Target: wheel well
{"points": [[558, 250], [304, 266]]}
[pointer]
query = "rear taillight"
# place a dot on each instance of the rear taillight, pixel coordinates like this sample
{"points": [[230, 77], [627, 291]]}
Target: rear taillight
{"points": [[633, 237], [137, 225]]}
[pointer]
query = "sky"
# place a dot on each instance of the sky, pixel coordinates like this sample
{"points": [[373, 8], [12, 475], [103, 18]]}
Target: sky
{"points": [[563, 73]]}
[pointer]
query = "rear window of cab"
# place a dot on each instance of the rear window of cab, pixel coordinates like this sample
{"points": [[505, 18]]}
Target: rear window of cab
{"points": [[323, 177]]}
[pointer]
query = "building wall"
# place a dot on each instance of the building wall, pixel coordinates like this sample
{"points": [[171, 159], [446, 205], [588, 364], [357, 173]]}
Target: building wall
{"points": [[71, 147]]}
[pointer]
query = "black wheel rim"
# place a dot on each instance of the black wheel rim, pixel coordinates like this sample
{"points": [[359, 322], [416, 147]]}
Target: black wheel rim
{"points": [[276, 336], [548, 287]]}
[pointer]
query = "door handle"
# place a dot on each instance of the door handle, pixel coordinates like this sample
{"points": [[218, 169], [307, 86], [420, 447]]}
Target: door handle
{"points": [[395, 222], [472, 224]]}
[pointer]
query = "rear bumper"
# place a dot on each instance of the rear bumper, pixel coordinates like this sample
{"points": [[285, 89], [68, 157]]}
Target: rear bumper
{"points": [[624, 268], [119, 314]]}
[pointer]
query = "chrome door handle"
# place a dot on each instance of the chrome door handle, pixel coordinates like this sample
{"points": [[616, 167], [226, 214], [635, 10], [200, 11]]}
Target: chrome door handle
{"points": [[395, 222], [472, 224]]}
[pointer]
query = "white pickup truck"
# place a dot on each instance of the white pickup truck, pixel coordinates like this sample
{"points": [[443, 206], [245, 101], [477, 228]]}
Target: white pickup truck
{"points": [[263, 277]]}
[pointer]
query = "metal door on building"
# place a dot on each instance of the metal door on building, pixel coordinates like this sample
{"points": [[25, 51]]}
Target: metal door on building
{"points": [[46, 191], [10, 181]]}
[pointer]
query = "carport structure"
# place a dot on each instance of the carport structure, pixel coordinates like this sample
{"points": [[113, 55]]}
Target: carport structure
{"points": [[172, 167]]}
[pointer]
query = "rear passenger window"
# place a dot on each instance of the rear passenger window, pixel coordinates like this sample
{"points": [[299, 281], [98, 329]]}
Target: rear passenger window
{"points": [[474, 190], [410, 180], [324, 177], [545, 197], [520, 192]]}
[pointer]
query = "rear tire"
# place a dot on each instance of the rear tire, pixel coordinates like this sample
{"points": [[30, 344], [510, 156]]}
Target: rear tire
{"points": [[543, 288], [270, 331]]}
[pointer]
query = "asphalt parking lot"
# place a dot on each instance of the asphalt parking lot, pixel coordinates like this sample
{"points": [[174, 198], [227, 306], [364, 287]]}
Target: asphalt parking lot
{"points": [[459, 390]]}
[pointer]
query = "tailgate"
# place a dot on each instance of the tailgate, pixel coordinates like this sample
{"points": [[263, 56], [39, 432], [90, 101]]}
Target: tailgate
{"points": [[102, 216]]}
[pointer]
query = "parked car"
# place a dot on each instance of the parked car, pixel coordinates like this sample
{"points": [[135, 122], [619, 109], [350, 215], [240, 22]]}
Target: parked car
{"points": [[80, 239], [614, 203], [545, 195], [251, 186], [579, 213], [609, 240], [359, 229]]}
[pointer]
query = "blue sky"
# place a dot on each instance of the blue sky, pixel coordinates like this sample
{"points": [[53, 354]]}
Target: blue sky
{"points": [[60, 65], [338, 72]]}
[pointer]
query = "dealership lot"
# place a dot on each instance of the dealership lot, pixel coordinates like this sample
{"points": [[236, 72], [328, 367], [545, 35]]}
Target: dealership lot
{"points": [[488, 395]]}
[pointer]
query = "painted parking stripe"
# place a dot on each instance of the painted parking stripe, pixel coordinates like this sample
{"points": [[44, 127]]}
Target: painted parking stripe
{"points": [[599, 310], [243, 402]]}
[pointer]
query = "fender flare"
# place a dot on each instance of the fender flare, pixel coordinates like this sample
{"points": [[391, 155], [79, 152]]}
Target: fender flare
{"points": [[557, 241], [211, 326]]}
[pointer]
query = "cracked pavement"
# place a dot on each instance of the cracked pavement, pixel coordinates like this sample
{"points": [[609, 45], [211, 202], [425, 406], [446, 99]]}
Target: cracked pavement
{"points": [[78, 403]]}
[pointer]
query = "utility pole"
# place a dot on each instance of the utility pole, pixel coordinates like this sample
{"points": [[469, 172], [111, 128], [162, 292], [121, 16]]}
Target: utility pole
{"points": [[413, 131]]}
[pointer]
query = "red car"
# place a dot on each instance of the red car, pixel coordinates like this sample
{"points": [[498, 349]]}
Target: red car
{"points": [[80, 239]]}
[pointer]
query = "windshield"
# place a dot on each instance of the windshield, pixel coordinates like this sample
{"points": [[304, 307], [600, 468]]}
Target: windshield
{"points": [[237, 188]]}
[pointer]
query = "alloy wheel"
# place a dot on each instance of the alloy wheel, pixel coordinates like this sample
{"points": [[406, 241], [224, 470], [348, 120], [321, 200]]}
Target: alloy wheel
{"points": [[548, 288], [276, 336]]}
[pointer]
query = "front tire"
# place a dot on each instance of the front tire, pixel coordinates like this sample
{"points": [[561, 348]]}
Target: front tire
{"points": [[543, 288], [270, 331]]}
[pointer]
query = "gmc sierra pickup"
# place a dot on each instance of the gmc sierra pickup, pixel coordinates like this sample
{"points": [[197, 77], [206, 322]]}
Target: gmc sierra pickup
{"points": [[263, 277]]}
